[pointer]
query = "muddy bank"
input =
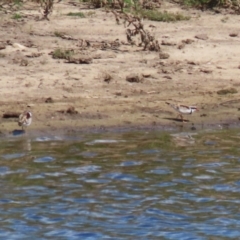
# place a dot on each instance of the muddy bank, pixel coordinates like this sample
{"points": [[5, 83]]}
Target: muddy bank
{"points": [[198, 58]]}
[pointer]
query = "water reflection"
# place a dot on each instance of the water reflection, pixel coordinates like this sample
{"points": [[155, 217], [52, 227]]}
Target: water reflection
{"points": [[121, 186]]}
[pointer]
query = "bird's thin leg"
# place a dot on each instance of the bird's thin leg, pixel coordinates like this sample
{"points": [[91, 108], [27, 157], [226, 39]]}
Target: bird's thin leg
{"points": [[182, 117]]}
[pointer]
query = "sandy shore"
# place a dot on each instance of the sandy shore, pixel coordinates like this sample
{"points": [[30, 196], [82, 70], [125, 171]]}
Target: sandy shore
{"points": [[203, 59]]}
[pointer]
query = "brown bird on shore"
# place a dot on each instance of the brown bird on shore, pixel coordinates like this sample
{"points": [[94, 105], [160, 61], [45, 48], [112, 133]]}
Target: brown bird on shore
{"points": [[25, 119]]}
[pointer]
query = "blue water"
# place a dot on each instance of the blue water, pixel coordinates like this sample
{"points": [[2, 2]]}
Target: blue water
{"points": [[128, 185]]}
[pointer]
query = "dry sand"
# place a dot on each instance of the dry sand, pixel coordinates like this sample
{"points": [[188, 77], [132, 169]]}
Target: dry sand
{"points": [[191, 75]]}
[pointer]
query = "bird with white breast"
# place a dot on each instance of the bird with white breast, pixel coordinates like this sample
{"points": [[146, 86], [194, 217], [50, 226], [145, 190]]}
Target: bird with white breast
{"points": [[25, 119], [183, 109]]}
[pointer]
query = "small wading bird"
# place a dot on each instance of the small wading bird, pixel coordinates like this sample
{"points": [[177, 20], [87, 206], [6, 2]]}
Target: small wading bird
{"points": [[182, 109], [25, 119]]}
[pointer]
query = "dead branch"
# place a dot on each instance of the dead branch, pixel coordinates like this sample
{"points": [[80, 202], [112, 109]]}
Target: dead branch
{"points": [[46, 8], [147, 39]]}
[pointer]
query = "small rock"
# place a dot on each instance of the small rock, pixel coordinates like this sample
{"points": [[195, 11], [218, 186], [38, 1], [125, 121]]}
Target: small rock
{"points": [[33, 55], [193, 128], [163, 55], [97, 56], [167, 77], [134, 78], [181, 46], [206, 70], [166, 71], [226, 91], [167, 43], [49, 100], [31, 105], [2, 45], [18, 46], [71, 110], [192, 63], [79, 59], [188, 41], [107, 77], [147, 75], [234, 34], [24, 62], [202, 36]]}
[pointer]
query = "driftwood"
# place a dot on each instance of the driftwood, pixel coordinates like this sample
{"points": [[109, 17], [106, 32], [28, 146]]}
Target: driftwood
{"points": [[11, 115]]}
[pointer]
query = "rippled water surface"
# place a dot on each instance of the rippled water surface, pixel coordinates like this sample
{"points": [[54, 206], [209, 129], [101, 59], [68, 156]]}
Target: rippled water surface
{"points": [[121, 186]]}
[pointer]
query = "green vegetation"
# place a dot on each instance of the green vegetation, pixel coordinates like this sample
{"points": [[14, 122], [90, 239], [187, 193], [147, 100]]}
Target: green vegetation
{"points": [[195, 3], [58, 34], [128, 3], [76, 14], [62, 53], [17, 16], [164, 139], [165, 16], [10, 4], [227, 91], [90, 13], [224, 19], [210, 3], [160, 140], [18, 2]]}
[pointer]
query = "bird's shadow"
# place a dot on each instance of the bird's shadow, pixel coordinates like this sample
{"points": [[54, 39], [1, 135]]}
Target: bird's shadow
{"points": [[17, 132], [177, 119]]}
